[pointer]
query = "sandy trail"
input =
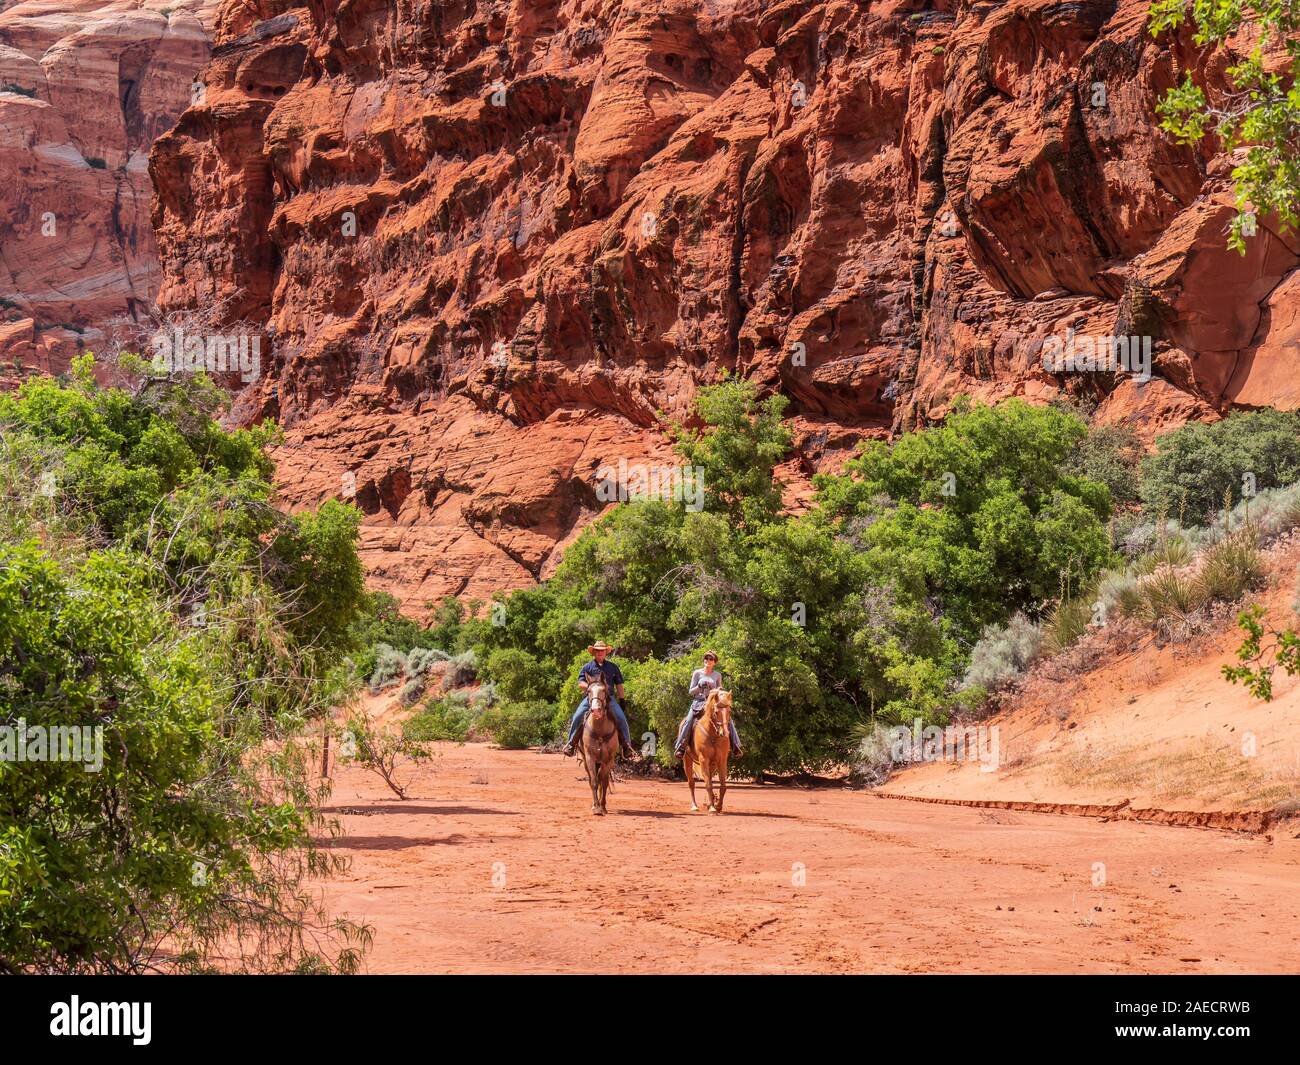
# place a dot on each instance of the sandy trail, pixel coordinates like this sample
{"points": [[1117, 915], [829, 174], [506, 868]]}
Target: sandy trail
{"points": [[495, 865]]}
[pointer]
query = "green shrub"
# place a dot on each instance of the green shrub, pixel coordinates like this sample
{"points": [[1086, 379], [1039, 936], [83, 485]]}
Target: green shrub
{"points": [[659, 693], [1197, 466], [518, 676], [446, 719], [519, 725], [1110, 455], [448, 623], [382, 622]]}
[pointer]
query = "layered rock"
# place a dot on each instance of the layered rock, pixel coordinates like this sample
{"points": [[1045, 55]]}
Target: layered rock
{"points": [[85, 89], [494, 247]]}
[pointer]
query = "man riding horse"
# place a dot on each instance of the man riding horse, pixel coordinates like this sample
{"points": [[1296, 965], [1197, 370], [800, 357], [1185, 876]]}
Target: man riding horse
{"points": [[599, 667]]}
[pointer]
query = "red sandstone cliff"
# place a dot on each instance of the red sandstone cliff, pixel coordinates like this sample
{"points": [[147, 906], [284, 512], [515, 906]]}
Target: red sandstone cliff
{"points": [[85, 88], [492, 245]]}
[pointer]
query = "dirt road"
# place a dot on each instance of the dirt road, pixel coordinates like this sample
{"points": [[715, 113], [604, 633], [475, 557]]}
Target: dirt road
{"points": [[495, 865]]}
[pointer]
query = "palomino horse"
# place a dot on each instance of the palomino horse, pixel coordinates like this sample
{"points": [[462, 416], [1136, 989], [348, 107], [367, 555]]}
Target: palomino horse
{"points": [[710, 747], [599, 744]]}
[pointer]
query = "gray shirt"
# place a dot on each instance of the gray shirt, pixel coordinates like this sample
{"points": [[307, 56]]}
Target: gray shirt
{"points": [[701, 684]]}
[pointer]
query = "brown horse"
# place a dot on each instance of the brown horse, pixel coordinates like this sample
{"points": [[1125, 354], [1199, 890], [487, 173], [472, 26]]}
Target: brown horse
{"points": [[710, 747], [599, 744]]}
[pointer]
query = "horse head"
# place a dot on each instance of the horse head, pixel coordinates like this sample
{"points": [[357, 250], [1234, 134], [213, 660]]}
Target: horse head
{"points": [[598, 699], [718, 711]]}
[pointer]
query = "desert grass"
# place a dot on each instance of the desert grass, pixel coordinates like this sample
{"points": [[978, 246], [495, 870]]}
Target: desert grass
{"points": [[1202, 770]]}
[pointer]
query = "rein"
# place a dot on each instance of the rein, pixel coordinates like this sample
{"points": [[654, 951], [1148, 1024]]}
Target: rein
{"points": [[714, 727]]}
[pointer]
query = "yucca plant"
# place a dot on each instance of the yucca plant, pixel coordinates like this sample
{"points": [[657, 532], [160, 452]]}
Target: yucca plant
{"points": [[1231, 568], [1174, 551], [1067, 623], [1168, 595]]}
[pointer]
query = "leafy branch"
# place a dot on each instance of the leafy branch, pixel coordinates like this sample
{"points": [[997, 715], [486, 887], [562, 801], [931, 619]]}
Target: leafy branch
{"points": [[1261, 111]]}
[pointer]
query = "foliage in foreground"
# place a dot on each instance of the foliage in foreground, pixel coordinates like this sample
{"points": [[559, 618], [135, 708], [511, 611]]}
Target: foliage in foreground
{"points": [[150, 588]]}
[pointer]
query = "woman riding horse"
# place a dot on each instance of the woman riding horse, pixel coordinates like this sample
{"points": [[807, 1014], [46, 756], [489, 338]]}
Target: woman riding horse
{"points": [[710, 748], [703, 681]]}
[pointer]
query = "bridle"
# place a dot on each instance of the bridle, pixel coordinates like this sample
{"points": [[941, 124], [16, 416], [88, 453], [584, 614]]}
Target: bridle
{"points": [[718, 710], [598, 699]]}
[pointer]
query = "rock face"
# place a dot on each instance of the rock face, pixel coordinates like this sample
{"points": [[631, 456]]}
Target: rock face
{"points": [[85, 89], [494, 247]]}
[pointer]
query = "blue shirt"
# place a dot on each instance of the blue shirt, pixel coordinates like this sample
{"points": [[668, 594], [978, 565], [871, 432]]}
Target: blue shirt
{"points": [[609, 671]]}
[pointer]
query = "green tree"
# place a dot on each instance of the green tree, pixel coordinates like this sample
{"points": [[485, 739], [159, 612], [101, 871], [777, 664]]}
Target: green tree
{"points": [[982, 510], [150, 586], [737, 448], [171, 840]]}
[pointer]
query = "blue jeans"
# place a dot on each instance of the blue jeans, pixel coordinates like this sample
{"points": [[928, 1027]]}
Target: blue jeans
{"points": [[686, 724], [620, 719]]}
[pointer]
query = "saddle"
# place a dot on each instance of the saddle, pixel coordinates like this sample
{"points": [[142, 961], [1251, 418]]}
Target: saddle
{"points": [[694, 716]]}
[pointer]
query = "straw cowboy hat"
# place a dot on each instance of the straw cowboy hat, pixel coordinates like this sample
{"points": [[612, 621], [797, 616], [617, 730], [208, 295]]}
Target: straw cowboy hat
{"points": [[599, 645]]}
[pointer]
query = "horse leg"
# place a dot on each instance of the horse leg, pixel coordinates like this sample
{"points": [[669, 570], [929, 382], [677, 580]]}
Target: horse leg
{"points": [[606, 771], [722, 782], [708, 780], [688, 763], [593, 778]]}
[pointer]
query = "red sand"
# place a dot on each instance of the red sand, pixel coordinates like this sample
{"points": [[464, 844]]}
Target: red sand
{"points": [[496, 865]]}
